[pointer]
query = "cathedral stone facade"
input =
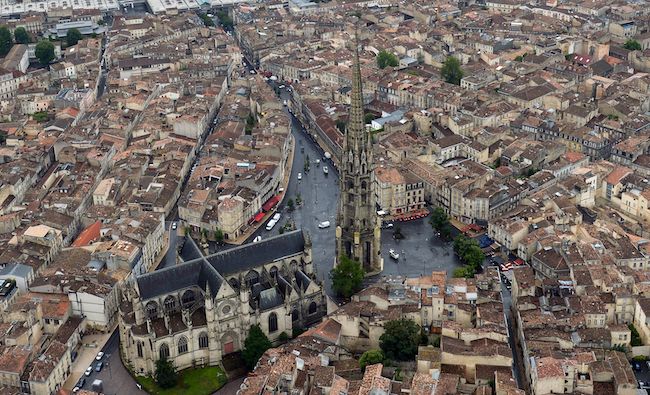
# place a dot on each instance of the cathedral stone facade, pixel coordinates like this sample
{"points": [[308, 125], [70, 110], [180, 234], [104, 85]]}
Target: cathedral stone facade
{"points": [[358, 234], [199, 311]]}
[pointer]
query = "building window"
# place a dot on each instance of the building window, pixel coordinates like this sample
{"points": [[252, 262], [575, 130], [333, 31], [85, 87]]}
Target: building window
{"points": [[312, 308], [170, 303], [225, 310], [140, 349], [188, 297], [203, 340], [164, 351], [294, 315], [273, 322], [152, 309], [182, 345]]}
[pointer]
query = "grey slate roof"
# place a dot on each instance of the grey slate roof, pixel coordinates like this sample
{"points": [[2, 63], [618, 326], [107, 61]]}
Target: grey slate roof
{"points": [[252, 255], [270, 298], [16, 270], [173, 278], [209, 270]]}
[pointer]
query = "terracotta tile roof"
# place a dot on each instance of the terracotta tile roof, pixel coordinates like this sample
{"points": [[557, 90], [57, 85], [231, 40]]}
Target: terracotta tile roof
{"points": [[88, 235]]}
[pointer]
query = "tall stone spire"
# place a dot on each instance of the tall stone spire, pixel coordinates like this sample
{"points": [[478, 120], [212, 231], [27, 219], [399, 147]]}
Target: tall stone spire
{"points": [[356, 136], [357, 226]]}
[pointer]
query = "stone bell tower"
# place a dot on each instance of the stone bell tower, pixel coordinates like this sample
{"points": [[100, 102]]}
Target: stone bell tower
{"points": [[358, 233]]}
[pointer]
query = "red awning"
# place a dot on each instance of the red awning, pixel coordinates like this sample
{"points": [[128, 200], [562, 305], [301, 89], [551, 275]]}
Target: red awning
{"points": [[271, 203], [259, 216]]}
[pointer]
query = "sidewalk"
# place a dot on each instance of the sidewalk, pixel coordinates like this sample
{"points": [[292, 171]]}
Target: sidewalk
{"points": [[90, 346], [285, 185]]}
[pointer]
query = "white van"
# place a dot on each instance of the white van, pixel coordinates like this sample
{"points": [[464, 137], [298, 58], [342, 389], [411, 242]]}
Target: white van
{"points": [[324, 224], [271, 224], [277, 216]]}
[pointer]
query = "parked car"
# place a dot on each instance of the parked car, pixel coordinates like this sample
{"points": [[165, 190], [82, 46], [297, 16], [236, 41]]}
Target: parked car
{"points": [[257, 239], [99, 366], [277, 216], [88, 371], [393, 254], [79, 385], [636, 366], [324, 224], [299, 176], [325, 170], [271, 224], [389, 225], [174, 225], [100, 354]]}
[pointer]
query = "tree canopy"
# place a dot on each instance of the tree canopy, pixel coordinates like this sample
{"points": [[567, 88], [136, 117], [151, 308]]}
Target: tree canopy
{"points": [[385, 59], [73, 37], [451, 71], [255, 345], [21, 36], [347, 277], [440, 222], [632, 45], [371, 357], [5, 40], [470, 253], [400, 339], [225, 20], [166, 376], [44, 52]]}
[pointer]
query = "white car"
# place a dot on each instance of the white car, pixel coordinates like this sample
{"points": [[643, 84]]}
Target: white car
{"points": [[393, 254], [174, 227], [257, 239], [100, 354], [281, 87], [324, 224], [88, 371], [271, 224], [299, 176], [277, 216]]}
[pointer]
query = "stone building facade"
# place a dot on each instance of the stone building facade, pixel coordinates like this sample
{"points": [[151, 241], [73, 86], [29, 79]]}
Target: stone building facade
{"points": [[197, 312]]}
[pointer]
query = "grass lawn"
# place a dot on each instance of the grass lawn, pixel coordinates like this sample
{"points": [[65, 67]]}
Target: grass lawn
{"points": [[203, 381]]}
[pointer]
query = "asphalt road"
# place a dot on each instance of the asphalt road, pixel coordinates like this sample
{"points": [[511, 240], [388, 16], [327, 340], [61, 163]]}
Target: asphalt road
{"points": [[116, 379], [171, 254], [319, 195]]}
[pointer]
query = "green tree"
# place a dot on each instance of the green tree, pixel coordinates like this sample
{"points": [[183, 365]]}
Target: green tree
{"points": [[165, 376], [225, 20], [340, 125], [439, 219], [451, 71], [41, 116], [290, 205], [368, 118], [464, 272], [283, 337], [473, 257], [632, 45], [44, 52], [636, 338], [462, 244], [397, 233], [400, 339], [207, 21], [385, 59], [73, 37], [21, 36], [371, 357], [347, 277], [218, 236], [5, 40], [255, 346]]}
